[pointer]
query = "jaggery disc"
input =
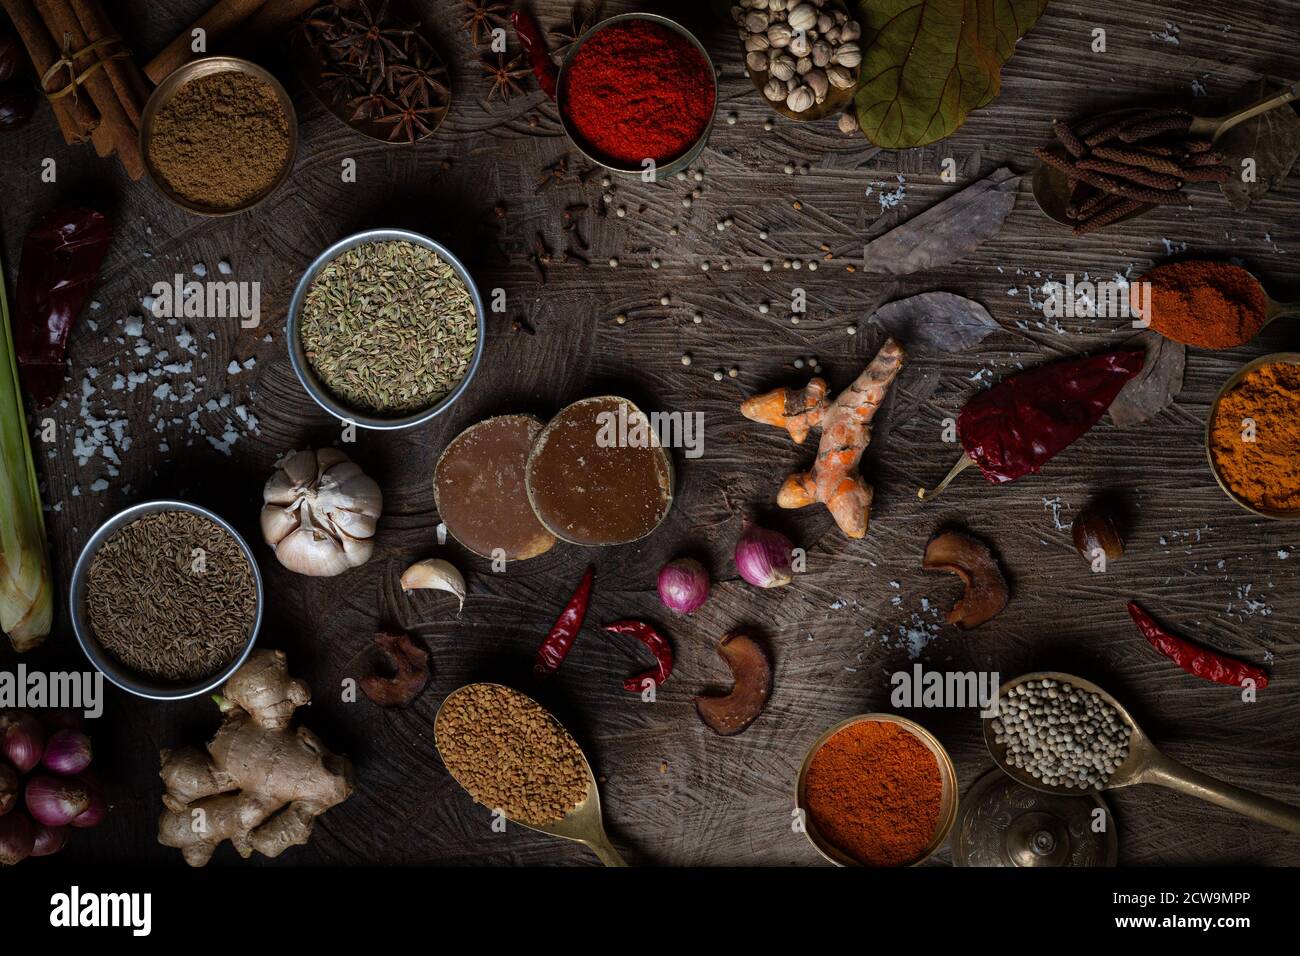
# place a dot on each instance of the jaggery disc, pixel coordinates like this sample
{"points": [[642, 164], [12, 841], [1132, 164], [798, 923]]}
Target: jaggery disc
{"points": [[597, 474], [478, 485]]}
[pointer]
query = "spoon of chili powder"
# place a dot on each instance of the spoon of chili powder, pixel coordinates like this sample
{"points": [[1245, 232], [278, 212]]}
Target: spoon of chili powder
{"points": [[1210, 305]]}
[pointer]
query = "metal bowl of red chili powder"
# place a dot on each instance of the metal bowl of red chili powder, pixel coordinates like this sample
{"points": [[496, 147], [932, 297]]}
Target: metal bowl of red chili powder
{"points": [[638, 91], [877, 790]]}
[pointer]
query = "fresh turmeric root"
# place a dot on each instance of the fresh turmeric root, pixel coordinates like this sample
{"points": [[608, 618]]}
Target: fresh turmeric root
{"points": [[846, 432], [261, 784]]}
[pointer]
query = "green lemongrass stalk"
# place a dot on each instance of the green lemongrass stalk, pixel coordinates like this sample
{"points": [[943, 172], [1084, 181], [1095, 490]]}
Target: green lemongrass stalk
{"points": [[26, 590]]}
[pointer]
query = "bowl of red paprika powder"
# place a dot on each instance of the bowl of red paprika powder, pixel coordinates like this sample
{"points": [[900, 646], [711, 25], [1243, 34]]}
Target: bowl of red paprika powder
{"points": [[637, 94], [877, 790]]}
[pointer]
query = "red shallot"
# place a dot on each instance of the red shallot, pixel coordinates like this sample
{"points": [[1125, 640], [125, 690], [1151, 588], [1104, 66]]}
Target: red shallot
{"points": [[67, 753], [763, 557], [683, 585], [49, 840], [23, 740], [56, 802], [17, 837]]}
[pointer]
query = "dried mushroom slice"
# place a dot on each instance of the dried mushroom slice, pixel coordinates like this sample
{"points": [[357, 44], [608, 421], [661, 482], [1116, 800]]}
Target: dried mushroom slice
{"points": [[972, 561], [751, 672]]}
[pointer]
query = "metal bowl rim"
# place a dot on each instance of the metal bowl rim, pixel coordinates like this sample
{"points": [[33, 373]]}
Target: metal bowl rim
{"points": [[674, 165], [1273, 358], [167, 89], [947, 771], [120, 675], [298, 358]]}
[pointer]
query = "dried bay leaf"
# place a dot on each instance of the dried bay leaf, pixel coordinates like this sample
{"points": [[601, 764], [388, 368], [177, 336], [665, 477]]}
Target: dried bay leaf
{"points": [[1154, 388], [948, 231], [1271, 139], [926, 64], [940, 320]]}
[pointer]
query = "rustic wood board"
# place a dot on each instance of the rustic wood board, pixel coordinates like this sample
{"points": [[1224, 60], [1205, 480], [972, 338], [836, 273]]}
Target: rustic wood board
{"points": [[675, 793]]}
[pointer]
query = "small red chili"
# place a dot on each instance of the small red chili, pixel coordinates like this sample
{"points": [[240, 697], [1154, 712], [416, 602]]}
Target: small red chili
{"points": [[534, 46], [565, 630], [1196, 660], [659, 647]]}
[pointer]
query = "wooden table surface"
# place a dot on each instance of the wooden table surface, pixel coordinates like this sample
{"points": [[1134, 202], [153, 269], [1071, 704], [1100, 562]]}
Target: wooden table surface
{"points": [[674, 792]]}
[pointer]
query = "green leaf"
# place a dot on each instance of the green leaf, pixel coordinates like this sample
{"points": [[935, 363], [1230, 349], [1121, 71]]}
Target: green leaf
{"points": [[927, 63]]}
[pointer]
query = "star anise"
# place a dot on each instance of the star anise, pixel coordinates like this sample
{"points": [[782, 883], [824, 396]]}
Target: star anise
{"points": [[341, 82], [481, 17], [420, 84], [370, 39], [505, 74], [371, 107], [580, 22], [321, 25], [410, 122]]}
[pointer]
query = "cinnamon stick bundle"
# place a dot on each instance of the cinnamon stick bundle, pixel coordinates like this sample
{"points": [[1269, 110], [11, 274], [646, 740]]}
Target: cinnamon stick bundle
{"points": [[116, 129], [128, 81], [224, 17], [76, 116]]}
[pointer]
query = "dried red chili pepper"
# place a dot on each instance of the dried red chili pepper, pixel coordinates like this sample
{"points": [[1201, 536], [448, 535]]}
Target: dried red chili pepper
{"points": [[1196, 660], [658, 646], [539, 58], [558, 642], [61, 259], [1017, 426]]}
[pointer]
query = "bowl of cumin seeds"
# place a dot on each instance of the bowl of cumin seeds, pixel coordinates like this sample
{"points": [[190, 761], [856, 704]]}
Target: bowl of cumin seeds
{"points": [[386, 329], [166, 600]]}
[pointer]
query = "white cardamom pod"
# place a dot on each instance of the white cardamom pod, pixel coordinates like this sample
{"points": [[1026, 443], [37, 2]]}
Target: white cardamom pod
{"points": [[774, 90], [850, 30], [781, 67], [818, 83], [800, 44], [779, 35], [848, 54], [803, 17], [849, 123], [824, 22], [756, 60], [821, 53], [756, 41], [756, 21], [841, 77], [803, 65], [800, 99]]}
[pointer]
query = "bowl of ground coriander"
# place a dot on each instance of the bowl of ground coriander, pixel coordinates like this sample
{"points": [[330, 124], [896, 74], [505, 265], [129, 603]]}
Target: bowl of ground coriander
{"points": [[166, 600], [219, 135], [386, 329]]}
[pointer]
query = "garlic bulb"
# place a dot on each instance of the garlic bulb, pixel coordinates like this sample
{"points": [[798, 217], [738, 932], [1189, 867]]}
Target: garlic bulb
{"points": [[320, 512]]}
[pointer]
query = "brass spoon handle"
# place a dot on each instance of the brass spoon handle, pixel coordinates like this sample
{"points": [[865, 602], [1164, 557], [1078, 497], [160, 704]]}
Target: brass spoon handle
{"points": [[1281, 310], [1219, 125], [601, 846], [1174, 775]]}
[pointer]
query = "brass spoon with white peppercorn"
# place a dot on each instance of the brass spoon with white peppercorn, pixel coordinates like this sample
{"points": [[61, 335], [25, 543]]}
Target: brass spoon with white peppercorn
{"points": [[1142, 763], [582, 824], [803, 55]]}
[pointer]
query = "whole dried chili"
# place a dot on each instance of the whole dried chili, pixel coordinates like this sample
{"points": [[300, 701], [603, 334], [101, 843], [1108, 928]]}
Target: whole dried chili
{"points": [[539, 58], [1196, 660], [1017, 426], [658, 646], [558, 642], [60, 264]]}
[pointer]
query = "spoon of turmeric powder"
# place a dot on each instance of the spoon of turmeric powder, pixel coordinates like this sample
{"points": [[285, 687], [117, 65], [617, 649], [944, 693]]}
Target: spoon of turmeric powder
{"points": [[1209, 305]]}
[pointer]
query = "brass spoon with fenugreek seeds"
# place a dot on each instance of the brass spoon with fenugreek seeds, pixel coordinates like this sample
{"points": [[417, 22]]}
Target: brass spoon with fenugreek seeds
{"points": [[582, 824], [1145, 764], [1052, 187]]}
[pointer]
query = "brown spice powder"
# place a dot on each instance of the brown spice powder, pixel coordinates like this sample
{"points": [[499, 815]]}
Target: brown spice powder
{"points": [[874, 791], [510, 754], [222, 140], [1265, 405], [171, 595]]}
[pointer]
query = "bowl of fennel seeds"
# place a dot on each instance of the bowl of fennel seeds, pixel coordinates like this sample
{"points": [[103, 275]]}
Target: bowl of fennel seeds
{"points": [[166, 600], [386, 329]]}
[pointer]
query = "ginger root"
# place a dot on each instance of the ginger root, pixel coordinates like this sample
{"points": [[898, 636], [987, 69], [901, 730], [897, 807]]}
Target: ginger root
{"points": [[261, 784], [846, 432]]}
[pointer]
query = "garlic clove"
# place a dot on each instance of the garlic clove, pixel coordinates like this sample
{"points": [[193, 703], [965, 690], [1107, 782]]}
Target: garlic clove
{"points": [[307, 551], [280, 489], [327, 458], [357, 550], [437, 574], [276, 523], [299, 466], [355, 524]]}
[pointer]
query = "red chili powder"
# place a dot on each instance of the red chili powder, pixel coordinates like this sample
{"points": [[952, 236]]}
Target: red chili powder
{"points": [[874, 791], [1211, 305], [638, 90]]}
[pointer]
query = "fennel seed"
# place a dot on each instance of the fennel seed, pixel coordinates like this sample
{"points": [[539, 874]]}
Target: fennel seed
{"points": [[389, 328]]}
